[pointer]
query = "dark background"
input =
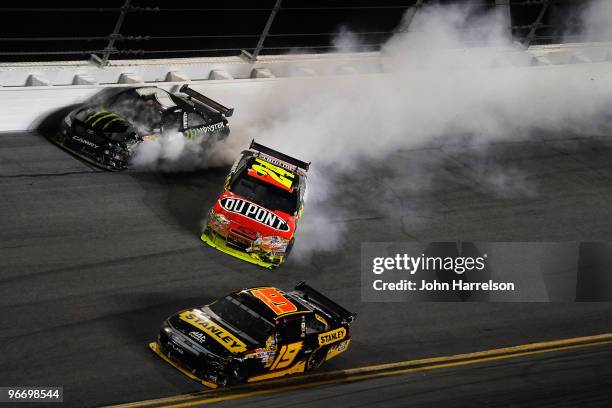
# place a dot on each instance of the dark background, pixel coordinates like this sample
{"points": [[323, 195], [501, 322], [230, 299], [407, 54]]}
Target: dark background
{"points": [[68, 30]]}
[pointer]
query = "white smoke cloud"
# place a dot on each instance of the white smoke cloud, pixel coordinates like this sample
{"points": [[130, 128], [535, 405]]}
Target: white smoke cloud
{"points": [[439, 89], [596, 21], [173, 152], [319, 229]]}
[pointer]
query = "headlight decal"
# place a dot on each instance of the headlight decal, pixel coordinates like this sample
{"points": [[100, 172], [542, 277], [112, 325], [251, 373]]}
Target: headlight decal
{"points": [[271, 243], [217, 221]]}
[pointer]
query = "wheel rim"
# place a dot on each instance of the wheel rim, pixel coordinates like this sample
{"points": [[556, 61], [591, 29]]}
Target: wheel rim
{"points": [[316, 360]]}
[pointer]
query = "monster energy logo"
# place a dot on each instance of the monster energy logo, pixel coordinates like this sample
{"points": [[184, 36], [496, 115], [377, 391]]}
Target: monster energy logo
{"points": [[192, 133], [102, 118]]}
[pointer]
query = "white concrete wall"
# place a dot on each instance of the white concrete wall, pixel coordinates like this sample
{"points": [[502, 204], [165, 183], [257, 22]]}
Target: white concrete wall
{"points": [[29, 92], [193, 69], [32, 91]]}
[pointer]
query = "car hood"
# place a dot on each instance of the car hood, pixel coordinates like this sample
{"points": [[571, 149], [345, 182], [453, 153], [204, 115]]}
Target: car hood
{"points": [[107, 123], [211, 333], [250, 218]]}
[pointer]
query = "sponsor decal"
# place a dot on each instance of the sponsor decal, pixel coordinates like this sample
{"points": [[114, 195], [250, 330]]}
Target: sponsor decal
{"points": [[338, 348], [85, 142], [94, 115], [278, 162], [102, 117], [210, 128], [322, 320], [191, 133], [265, 355], [115, 119], [214, 330], [185, 123], [254, 212], [199, 336], [332, 336], [176, 348], [234, 167]]}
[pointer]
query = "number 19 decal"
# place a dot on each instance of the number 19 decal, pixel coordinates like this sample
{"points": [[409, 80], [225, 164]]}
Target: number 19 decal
{"points": [[274, 300], [286, 355]]}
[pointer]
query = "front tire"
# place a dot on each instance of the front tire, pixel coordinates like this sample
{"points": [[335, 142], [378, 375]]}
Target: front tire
{"points": [[237, 375]]}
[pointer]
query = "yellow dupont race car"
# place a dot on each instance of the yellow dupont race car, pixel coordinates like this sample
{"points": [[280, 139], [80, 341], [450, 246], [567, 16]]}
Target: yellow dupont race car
{"points": [[255, 334]]}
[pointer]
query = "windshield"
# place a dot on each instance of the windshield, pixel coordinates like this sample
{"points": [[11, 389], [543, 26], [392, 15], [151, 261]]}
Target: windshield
{"points": [[144, 107], [264, 193], [235, 312]]}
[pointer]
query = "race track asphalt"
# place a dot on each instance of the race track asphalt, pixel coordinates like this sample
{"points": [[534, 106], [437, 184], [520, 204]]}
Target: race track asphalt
{"points": [[91, 262], [567, 379]]}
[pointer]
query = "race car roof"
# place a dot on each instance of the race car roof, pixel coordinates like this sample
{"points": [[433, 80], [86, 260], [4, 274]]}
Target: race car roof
{"points": [[273, 303], [271, 173]]}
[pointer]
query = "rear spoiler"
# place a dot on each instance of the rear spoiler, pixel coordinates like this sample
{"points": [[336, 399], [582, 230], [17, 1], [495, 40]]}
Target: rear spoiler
{"points": [[329, 305], [278, 155], [207, 101]]}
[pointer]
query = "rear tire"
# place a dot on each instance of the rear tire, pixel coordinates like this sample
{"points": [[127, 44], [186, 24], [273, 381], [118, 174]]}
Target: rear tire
{"points": [[316, 359], [289, 247]]}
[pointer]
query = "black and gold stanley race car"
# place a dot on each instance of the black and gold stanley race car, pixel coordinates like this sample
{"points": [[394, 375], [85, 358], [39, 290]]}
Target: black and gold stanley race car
{"points": [[107, 129], [255, 334]]}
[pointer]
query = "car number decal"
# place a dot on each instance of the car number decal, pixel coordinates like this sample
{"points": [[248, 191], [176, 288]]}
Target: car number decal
{"points": [[274, 300], [279, 175], [286, 355]]}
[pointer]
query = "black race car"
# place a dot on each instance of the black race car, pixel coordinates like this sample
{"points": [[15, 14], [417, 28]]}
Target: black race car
{"points": [[105, 132], [255, 334]]}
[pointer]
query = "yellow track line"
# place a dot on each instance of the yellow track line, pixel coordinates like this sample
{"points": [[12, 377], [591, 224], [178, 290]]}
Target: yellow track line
{"points": [[371, 372], [363, 377]]}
